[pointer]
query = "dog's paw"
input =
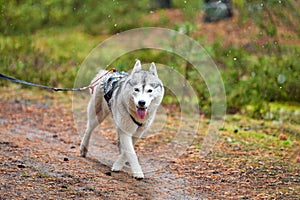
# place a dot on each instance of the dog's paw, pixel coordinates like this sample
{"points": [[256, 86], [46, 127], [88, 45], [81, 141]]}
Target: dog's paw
{"points": [[116, 168], [138, 175], [83, 151]]}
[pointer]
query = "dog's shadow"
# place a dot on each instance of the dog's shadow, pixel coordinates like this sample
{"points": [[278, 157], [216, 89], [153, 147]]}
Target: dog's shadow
{"points": [[143, 188]]}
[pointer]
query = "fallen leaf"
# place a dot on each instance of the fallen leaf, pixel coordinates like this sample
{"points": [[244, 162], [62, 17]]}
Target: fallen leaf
{"points": [[282, 136]]}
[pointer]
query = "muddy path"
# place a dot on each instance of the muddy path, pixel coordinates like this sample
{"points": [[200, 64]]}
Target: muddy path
{"points": [[39, 158]]}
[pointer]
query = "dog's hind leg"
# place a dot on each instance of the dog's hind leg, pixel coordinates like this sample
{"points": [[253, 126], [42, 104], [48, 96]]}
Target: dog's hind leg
{"points": [[91, 125], [97, 111]]}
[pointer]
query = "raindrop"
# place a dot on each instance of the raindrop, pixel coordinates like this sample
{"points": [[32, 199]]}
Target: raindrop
{"points": [[269, 115], [281, 79], [229, 139]]}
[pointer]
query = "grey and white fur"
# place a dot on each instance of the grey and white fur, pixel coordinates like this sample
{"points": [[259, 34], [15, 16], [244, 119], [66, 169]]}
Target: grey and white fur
{"points": [[133, 106]]}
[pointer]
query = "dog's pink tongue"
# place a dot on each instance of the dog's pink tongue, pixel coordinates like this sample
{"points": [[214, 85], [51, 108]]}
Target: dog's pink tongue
{"points": [[141, 113]]}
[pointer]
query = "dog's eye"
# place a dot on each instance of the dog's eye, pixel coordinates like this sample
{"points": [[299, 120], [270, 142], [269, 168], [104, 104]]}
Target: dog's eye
{"points": [[149, 91], [136, 89]]}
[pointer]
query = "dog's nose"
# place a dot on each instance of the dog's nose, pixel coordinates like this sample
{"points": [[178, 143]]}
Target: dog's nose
{"points": [[142, 103]]}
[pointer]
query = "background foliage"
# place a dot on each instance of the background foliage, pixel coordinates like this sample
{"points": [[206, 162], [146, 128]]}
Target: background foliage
{"points": [[45, 42]]}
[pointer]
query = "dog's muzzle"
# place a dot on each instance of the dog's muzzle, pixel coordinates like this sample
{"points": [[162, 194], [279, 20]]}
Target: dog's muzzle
{"points": [[141, 109]]}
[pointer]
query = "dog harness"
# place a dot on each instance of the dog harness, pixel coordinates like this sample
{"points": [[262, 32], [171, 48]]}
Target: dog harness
{"points": [[110, 82]]}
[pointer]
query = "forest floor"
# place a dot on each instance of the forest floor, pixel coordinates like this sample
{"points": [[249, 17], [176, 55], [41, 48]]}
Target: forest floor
{"points": [[40, 158]]}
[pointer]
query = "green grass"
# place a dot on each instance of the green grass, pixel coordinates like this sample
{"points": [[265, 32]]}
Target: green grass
{"points": [[64, 44], [50, 57], [260, 134], [53, 57], [25, 175], [284, 112]]}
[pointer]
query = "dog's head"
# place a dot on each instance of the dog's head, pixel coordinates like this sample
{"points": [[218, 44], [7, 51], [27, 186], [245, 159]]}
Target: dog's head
{"points": [[145, 90]]}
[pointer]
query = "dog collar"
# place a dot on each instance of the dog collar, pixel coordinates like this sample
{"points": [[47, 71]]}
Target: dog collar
{"points": [[136, 122]]}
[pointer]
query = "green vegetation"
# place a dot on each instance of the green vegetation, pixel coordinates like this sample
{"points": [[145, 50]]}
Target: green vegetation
{"points": [[45, 42]]}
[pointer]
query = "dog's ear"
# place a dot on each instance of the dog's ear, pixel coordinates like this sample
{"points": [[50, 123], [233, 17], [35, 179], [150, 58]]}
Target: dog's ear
{"points": [[153, 69], [137, 66]]}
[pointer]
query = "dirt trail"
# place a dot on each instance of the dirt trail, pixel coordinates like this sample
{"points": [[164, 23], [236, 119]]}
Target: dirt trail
{"points": [[40, 159]]}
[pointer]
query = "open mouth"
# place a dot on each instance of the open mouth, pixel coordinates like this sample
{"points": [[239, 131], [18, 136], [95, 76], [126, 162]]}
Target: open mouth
{"points": [[141, 112]]}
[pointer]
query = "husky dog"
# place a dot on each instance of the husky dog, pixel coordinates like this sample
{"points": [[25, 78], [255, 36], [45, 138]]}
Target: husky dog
{"points": [[133, 104]]}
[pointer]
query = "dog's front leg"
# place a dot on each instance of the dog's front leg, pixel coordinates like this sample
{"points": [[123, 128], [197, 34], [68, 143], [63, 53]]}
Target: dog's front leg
{"points": [[119, 163], [127, 151]]}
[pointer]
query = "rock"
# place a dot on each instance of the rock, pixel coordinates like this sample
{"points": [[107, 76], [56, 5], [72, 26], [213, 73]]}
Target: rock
{"points": [[21, 166]]}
